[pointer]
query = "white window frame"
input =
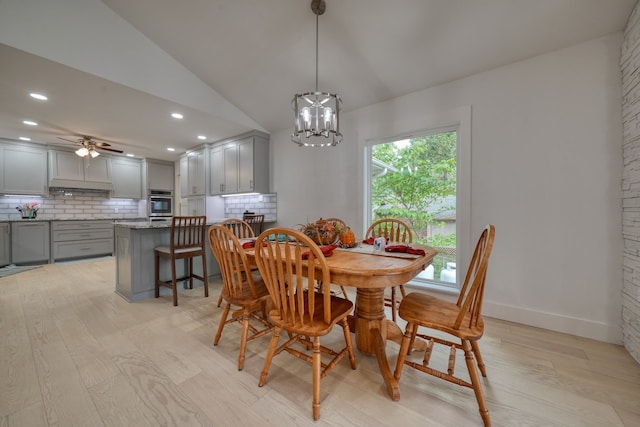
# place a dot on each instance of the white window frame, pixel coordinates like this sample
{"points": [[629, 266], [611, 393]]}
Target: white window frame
{"points": [[459, 120]]}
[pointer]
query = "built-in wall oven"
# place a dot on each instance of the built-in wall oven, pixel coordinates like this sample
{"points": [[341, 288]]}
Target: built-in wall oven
{"points": [[160, 205]]}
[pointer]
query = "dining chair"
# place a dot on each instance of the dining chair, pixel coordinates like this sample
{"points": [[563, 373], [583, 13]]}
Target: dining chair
{"points": [[305, 314], [187, 241], [343, 225], [461, 322], [242, 230], [395, 231], [256, 221], [240, 289], [239, 227]]}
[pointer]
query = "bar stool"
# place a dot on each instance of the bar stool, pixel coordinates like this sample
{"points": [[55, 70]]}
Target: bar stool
{"points": [[187, 242]]}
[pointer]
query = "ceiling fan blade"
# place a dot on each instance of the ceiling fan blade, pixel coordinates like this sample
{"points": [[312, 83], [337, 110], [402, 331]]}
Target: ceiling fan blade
{"points": [[101, 144], [109, 149], [69, 140]]}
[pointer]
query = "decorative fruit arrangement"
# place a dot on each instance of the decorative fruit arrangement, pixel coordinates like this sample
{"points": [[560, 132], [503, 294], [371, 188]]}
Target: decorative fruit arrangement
{"points": [[323, 232], [347, 238]]}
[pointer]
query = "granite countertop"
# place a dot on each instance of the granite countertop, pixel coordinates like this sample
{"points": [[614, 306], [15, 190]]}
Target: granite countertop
{"points": [[72, 219], [142, 225]]}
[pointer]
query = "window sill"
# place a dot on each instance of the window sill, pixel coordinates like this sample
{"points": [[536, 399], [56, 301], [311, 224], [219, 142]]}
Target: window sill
{"points": [[433, 288]]}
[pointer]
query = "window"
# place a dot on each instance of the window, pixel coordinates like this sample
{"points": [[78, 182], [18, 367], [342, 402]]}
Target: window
{"points": [[423, 179]]}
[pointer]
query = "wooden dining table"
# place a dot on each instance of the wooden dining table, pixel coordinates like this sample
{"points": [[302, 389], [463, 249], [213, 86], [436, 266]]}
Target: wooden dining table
{"points": [[370, 272]]}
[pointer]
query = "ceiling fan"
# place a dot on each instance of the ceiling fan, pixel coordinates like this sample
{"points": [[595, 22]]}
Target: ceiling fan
{"points": [[89, 146]]}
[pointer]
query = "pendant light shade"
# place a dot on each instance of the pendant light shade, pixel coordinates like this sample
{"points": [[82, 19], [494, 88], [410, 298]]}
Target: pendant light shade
{"points": [[317, 114]]}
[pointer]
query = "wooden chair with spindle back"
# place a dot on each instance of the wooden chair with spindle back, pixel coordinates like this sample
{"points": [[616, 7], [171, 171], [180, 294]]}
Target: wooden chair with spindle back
{"points": [[304, 313], [187, 241], [242, 230], [239, 227], [241, 288], [395, 231], [256, 221], [461, 320]]}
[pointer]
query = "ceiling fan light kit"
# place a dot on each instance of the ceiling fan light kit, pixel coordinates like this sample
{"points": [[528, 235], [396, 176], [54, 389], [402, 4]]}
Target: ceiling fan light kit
{"points": [[90, 147], [317, 113]]}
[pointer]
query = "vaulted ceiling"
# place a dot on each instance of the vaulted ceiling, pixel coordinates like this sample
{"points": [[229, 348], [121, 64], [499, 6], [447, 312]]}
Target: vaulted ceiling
{"points": [[116, 69]]}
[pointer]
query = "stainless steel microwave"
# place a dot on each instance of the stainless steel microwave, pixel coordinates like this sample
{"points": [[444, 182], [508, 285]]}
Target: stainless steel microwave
{"points": [[160, 204]]}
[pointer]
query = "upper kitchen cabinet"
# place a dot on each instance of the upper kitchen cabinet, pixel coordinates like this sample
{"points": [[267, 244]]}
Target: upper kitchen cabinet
{"points": [[160, 175], [24, 170], [127, 178], [68, 170], [240, 166], [192, 173]]}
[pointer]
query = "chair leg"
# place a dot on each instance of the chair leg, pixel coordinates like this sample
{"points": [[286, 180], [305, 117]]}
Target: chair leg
{"points": [[476, 352], [270, 353], [220, 298], [243, 337], [174, 284], [347, 340], [344, 292], [316, 378], [223, 321], [157, 275], [404, 349], [402, 291], [190, 273], [205, 277], [475, 381], [393, 303]]}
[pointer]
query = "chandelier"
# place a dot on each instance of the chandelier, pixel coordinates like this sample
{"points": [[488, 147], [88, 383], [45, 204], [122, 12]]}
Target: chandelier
{"points": [[317, 113]]}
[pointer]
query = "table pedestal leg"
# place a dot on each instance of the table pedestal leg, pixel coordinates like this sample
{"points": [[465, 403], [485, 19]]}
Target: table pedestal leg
{"points": [[371, 333]]}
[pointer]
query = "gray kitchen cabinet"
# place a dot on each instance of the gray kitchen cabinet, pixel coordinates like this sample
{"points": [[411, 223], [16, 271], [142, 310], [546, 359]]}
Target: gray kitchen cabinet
{"points": [[30, 242], [127, 178], [192, 173], [160, 176], [5, 243], [223, 172], [253, 165], [240, 166], [24, 170], [194, 206], [68, 170], [81, 239]]}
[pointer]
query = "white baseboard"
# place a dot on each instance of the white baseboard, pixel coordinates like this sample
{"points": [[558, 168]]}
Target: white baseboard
{"points": [[556, 322]]}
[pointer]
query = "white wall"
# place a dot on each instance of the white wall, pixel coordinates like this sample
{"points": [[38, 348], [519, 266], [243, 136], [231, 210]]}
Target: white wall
{"points": [[546, 168]]}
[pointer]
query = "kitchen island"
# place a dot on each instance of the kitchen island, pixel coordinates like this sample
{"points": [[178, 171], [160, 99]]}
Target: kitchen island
{"points": [[135, 262]]}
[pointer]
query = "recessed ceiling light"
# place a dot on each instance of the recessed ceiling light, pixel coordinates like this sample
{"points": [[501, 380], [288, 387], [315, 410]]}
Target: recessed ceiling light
{"points": [[202, 137], [177, 115], [24, 138], [130, 155], [171, 149], [29, 122], [38, 96]]}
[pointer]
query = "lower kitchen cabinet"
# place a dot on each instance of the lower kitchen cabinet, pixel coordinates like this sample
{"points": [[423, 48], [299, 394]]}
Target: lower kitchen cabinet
{"points": [[81, 239], [30, 242], [5, 243]]}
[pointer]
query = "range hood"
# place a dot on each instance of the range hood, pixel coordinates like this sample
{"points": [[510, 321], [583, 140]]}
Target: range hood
{"points": [[82, 185]]}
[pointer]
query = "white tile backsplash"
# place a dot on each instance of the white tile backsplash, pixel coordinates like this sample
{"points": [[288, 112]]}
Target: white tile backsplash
{"points": [[265, 204], [76, 204]]}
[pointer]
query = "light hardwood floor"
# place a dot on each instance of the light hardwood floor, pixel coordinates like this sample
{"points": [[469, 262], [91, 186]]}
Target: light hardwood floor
{"points": [[73, 353]]}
